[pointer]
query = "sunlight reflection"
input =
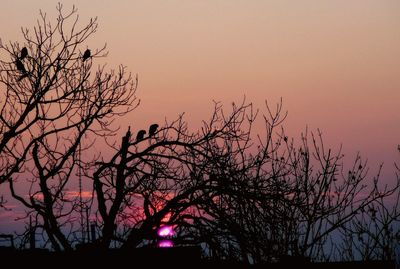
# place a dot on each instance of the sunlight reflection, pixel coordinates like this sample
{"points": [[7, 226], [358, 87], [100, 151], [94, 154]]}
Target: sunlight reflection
{"points": [[165, 244]]}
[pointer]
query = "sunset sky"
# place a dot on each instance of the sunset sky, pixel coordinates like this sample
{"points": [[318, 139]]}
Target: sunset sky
{"points": [[335, 63]]}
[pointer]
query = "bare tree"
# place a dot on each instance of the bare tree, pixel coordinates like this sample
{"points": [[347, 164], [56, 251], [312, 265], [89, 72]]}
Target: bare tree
{"points": [[153, 181], [373, 233], [276, 200], [248, 197], [254, 200], [52, 100]]}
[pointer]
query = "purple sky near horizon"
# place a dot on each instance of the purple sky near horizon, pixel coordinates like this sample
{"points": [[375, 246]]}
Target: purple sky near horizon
{"points": [[335, 64]]}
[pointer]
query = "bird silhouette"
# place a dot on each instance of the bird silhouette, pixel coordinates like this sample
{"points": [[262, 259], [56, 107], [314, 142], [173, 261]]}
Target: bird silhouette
{"points": [[24, 53], [128, 133], [153, 129], [126, 138], [140, 135], [86, 55], [20, 66]]}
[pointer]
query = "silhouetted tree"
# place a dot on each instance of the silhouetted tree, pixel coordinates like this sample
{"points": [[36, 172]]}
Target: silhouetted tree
{"points": [[46, 116], [255, 199], [373, 233], [249, 197], [150, 182], [273, 199]]}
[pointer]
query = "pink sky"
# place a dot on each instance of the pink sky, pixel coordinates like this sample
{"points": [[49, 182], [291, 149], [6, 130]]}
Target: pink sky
{"points": [[336, 64]]}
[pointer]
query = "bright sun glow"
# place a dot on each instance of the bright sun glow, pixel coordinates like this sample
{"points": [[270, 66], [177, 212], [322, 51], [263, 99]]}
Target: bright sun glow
{"points": [[165, 231]]}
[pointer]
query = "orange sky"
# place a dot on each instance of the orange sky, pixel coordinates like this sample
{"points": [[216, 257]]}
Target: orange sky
{"points": [[335, 63]]}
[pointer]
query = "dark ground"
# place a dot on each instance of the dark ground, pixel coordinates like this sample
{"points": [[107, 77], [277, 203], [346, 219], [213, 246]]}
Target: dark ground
{"points": [[184, 257]]}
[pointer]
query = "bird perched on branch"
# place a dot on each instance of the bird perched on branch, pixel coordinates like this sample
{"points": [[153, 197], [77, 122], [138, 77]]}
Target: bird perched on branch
{"points": [[128, 133], [140, 135], [24, 53], [153, 129], [20, 66], [126, 138], [86, 55]]}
